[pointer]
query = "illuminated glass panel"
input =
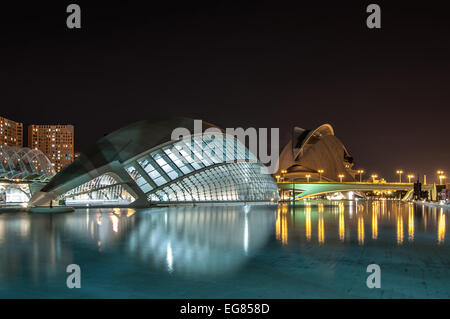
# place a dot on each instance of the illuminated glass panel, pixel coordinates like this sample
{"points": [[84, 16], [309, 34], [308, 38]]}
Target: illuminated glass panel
{"points": [[185, 149], [152, 171], [213, 182], [179, 160], [166, 164], [140, 181]]}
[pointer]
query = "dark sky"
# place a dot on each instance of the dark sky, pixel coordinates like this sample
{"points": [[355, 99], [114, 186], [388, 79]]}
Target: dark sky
{"points": [[252, 64]]}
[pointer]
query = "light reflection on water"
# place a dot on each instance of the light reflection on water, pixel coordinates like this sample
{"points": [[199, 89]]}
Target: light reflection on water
{"points": [[347, 221], [179, 251]]}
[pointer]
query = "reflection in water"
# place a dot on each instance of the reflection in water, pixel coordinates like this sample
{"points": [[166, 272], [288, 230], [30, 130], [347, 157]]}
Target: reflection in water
{"points": [[360, 229], [31, 246], [281, 224], [308, 222], [374, 225], [202, 240], [169, 258], [424, 217], [375, 210], [196, 242], [115, 222], [341, 206], [321, 229], [2, 231], [320, 208], [331, 221], [399, 229], [284, 235], [341, 225], [410, 222]]}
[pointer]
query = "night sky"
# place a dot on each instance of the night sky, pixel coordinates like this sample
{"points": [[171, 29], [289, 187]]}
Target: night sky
{"points": [[254, 64]]}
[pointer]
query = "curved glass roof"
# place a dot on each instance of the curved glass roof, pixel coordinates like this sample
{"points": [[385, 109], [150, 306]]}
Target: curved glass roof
{"points": [[200, 165], [162, 166], [199, 168], [24, 163]]}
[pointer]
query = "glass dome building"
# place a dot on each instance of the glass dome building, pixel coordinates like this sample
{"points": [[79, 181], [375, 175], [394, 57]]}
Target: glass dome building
{"points": [[24, 163], [141, 165]]}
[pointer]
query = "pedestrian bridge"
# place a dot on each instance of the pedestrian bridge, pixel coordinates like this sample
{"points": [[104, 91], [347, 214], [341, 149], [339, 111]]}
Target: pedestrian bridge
{"points": [[316, 188]]}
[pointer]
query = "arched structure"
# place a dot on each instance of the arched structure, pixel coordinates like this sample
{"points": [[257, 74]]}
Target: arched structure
{"points": [[316, 153], [304, 190], [141, 164], [24, 163]]}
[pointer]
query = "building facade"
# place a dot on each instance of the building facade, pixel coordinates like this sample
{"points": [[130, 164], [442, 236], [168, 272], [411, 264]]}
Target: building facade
{"points": [[21, 169], [11, 132], [141, 165], [315, 155], [55, 141]]}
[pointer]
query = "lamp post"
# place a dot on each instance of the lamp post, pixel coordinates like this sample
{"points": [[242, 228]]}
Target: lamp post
{"points": [[320, 171], [400, 172], [409, 178], [373, 177], [341, 176], [360, 172], [283, 172], [307, 178]]}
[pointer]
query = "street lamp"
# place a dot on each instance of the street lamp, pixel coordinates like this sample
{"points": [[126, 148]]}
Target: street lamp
{"points": [[360, 172], [341, 176], [409, 177], [400, 172], [320, 171], [307, 178], [373, 177]]}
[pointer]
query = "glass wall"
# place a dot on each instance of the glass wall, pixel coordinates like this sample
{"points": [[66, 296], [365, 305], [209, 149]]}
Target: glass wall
{"points": [[206, 168], [203, 168], [230, 182]]}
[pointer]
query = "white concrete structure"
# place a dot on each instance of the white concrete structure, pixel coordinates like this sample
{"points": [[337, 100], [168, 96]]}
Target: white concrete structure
{"points": [[140, 165]]}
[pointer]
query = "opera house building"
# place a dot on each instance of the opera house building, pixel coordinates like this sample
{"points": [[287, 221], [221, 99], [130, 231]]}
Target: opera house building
{"points": [[141, 165], [313, 155]]}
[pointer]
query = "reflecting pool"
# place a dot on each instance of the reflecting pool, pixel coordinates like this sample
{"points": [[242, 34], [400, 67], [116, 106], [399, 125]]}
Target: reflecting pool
{"points": [[317, 249]]}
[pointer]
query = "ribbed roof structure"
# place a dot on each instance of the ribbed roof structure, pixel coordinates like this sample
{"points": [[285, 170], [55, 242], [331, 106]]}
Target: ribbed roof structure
{"points": [[24, 163]]}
